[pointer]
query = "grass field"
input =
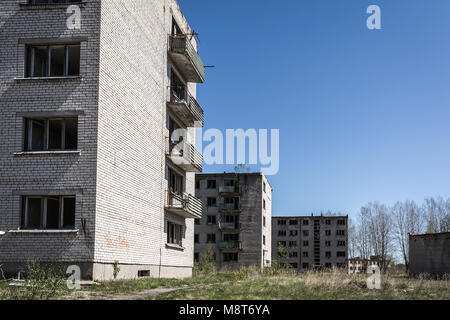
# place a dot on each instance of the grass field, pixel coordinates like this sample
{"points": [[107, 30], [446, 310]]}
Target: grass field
{"points": [[305, 286]]}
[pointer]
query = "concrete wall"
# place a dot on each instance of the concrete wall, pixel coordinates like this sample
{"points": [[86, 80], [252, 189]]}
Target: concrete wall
{"points": [[300, 238], [429, 254], [251, 218]]}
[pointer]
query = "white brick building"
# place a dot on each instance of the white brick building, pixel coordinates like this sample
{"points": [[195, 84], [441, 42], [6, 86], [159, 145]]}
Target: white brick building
{"points": [[86, 163]]}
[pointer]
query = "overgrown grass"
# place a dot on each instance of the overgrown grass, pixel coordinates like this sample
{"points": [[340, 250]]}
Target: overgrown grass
{"points": [[334, 285], [134, 286]]}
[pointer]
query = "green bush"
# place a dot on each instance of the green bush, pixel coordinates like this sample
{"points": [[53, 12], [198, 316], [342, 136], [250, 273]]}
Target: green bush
{"points": [[207, 264], [243, 273], [41, 282]]}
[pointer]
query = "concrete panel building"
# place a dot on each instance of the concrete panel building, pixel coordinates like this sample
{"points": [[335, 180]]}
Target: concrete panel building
{"points": [[429, 254], [236, 219], [311, 242], [93, 168]]}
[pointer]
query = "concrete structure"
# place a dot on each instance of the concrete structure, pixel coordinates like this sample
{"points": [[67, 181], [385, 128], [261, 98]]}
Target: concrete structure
{"points": [[237, 210], [429, 254], [90, 171], [311, 241]]}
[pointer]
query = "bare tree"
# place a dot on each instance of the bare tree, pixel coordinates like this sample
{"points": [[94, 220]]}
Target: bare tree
{"points": [[409, 219], [437, 212], [352, 239], [364, 246]]}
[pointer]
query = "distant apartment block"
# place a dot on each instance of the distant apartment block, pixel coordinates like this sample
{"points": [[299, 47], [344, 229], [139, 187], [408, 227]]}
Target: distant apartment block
{"points": [[311, 241], [92, 167], [236, 219], [429, 254], [359, 265]]}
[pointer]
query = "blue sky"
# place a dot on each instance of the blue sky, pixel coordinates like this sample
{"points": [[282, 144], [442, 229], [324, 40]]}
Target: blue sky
{"points": [[363, 115]]}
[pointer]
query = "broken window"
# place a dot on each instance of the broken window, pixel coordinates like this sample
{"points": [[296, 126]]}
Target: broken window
{"points": [[178, 88], [53, 60], [174, 233], [50, 212], [211, 184], [51, 134], [176, 182], [211, 238], [212, 202], [211, 220]]}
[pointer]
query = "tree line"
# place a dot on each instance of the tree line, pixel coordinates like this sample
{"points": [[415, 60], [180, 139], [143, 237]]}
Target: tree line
{"points": [[383, 231]]}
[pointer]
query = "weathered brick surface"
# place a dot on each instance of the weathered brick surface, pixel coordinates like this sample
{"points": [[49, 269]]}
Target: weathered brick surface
{"points": [[120, 177]]}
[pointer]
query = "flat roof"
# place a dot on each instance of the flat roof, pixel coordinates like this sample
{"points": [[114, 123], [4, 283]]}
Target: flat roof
{"points": [[224, 174], [430, 234], [302, 217]]}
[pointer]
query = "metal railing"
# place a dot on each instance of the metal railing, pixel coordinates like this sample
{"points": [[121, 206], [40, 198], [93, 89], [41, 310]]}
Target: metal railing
{"points": [[180, 43], [185, 201], [179, 94], [231, 245], [186, 151]]}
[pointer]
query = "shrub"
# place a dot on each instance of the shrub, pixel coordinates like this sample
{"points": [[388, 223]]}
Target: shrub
{"points": [[116, 269], [207, 264], [243, 273]]}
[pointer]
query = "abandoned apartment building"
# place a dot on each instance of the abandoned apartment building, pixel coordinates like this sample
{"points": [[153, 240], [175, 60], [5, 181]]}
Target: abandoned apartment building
{"points": [[311, 241], [91, 170], [429, 254], [236, 219], [359, 265]]}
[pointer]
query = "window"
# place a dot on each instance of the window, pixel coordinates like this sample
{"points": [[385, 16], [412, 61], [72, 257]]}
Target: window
{"points": [[327, 243], [328, 265], [230, 237], [282, 243], [211, 184], [197, 222], [281, 222], [341, 222], [212, 202], [176, 182], [294, 265], [264, 187], [341, 243], [53, 60], [211, 220], [51, 134], [197, 184], [175, 28], [293, 233], [305, 254], [340, 254], [328, 222], [340, 232], [230, 257], [282, 233], [53, 1], [264, 221], [264, 240], [305, 233], [174, 233], [305, 243], [264, 204], [305, 222], [196, 238], [50, 213], [293, 254], [306, 266], [229, 183], [328, 233], [328, 254], [292, 243], [293, 222], [196, 257], [211, 238]]}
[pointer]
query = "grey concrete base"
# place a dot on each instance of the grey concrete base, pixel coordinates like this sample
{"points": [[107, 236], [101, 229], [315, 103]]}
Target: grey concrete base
{"points": [[12, 269]]}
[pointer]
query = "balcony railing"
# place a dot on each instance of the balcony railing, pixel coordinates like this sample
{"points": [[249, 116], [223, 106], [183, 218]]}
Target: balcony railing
{"points": [[231, 245], [185, 107], [184, 155], [225, 207], [228, 189], [229, 225], [186, 58], [184, 205]]}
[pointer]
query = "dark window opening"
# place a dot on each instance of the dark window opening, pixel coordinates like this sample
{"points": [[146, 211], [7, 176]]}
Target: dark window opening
{"points": [[53, 60]]}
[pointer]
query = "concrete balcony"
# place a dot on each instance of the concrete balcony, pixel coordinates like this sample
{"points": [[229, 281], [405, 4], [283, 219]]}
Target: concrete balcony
{"points": [[186, 58], [230, 246], [227, 226], [229, 208], [185, 205], [184, 155], [185, 107], [229, 189]]}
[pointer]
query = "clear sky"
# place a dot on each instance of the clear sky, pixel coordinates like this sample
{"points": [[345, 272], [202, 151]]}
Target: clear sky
{"points": [[363, 115]]}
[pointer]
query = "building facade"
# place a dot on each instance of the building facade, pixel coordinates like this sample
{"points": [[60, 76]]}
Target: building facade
{"points": [[236, 219], [94, 166], [311, 242], [360, 265], [429, 254]]}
